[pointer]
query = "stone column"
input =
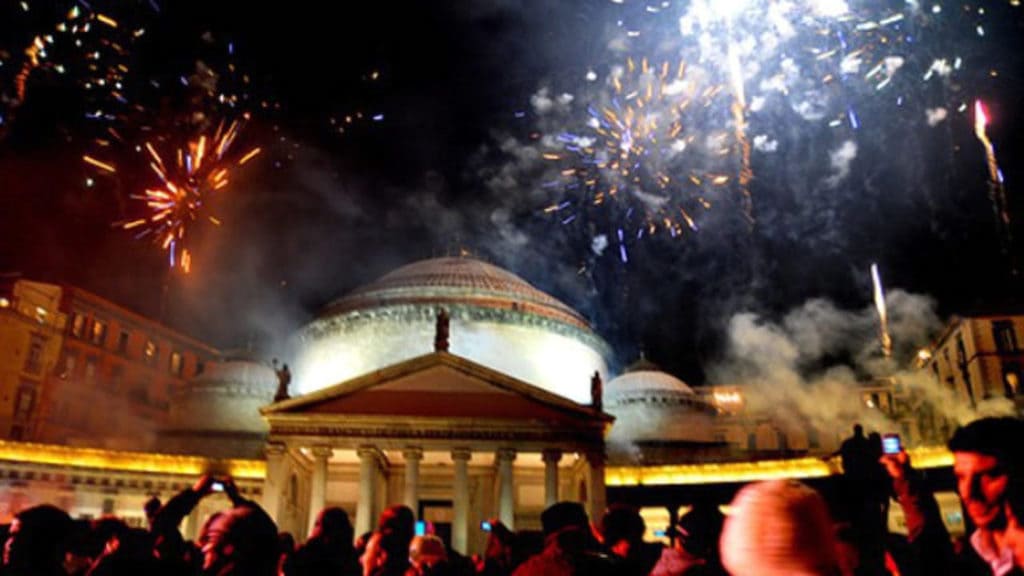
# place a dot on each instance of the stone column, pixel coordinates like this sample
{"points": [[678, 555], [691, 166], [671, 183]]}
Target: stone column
{"points": [[318, 488], [412, 456], [551, 458], [460, 500], [274, 485], [506, 498], [596, 498], [367, 484]]}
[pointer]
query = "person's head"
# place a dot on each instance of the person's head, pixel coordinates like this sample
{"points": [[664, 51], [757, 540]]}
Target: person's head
{"points": [[858, 430], [775, 528], [396, 528], [562, 516], [37, 539], [151, 507], [241, 540], [334, 526], [622, 527], [427, 550], [985, 454], [699, 530]]}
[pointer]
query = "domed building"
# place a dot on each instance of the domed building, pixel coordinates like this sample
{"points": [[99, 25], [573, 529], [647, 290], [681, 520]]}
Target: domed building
{"points": [[658, 417], [497, 319], [448, 384], [218, 413]]}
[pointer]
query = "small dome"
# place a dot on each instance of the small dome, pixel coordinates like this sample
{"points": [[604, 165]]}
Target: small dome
{"points": [[644, 380], [222, 403], [242, 374]]}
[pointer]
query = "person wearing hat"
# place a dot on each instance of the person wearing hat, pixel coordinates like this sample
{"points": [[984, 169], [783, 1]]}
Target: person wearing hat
{"points": [[570, 548], [987, 456], [778, 528]]}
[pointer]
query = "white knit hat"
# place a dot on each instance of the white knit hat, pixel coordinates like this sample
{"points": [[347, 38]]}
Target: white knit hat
{"points": [[780, 527]]}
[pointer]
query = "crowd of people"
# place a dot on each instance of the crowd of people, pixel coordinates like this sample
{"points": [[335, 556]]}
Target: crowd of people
{"points": [[779, 527]]}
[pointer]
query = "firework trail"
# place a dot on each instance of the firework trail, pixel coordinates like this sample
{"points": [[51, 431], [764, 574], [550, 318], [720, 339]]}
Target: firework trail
{"points": [[996, 185], [883, 315]]}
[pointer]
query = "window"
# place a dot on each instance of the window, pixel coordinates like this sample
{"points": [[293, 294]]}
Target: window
{"points": [[1011, 380], [24, 403], [1005, 337], [34, 358], [99, 332], [70, 360], [177, 363], [751, 441], [116, 377], [78, 325], [200, 366], [150, 352], [782, 440], [122, 342], [813, 439], [90, 369]]}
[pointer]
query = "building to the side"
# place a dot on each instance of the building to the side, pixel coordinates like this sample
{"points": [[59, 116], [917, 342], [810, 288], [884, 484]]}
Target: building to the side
{"points": [[978, 358], [76, 368]]}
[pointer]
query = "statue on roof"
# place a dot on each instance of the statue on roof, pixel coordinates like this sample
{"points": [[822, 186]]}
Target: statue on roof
{"points": [[284, 378], [596, 392], [441, 331]]}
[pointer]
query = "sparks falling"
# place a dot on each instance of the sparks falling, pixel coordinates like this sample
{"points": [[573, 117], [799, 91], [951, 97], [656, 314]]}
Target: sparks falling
{"points": [[199, 169], [883, 315], [627, 154], [996, 186]]}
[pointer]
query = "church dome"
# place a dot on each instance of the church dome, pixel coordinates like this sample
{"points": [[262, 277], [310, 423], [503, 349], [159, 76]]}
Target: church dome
{"points": [[496, 319], [653, 407], [222, 403], [456, 281], [643, 381]]}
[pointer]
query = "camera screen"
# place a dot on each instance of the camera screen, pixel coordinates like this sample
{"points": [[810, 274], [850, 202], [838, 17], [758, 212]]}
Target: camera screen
{"points": [[891, 444]]}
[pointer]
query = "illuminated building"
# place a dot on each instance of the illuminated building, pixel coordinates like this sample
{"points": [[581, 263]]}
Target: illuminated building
{"points": [[497, 319], [978, 358], [448, 384], [78, 369]]}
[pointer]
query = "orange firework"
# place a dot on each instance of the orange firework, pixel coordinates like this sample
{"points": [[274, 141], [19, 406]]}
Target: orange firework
{"points": [[200, 168]]}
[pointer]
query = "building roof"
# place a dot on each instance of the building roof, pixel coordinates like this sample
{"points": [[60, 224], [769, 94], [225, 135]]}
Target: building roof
{"points": [[437, 373], [439, 397], [442, 281]]}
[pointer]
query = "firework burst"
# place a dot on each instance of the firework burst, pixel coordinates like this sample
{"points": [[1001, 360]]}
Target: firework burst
{"points": [[198, 169], [700, 95]]}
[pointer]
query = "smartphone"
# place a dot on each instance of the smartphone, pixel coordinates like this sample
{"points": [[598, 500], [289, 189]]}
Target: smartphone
{"points": [[485, 526], [217, 487], [891, 444], [421, 528]]}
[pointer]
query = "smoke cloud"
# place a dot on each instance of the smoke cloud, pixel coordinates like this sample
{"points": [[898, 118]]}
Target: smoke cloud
{"points": [[810, 365], [840, 159]]}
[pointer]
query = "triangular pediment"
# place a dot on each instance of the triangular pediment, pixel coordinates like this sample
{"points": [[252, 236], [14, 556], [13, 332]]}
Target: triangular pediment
{"points": [[438, 385]]}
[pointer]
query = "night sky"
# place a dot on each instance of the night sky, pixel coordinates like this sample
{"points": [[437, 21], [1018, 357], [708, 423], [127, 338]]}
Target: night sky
{"points": [[460, 93]]}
